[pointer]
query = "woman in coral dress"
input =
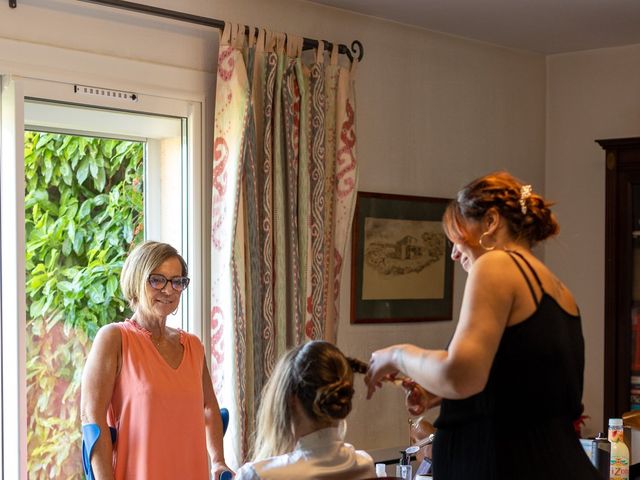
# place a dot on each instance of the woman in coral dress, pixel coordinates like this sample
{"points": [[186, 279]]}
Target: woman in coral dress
{"points": [[151, 382]]}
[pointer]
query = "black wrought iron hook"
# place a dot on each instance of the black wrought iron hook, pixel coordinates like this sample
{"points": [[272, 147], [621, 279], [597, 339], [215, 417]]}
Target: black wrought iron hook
{"points": [[356, 47]]}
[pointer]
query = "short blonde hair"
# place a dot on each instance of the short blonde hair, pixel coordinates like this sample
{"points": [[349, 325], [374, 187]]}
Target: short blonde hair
{"points": [[140, 263]]}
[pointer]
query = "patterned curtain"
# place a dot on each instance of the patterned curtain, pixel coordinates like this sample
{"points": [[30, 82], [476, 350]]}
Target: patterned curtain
{"points": [[284, 185]]}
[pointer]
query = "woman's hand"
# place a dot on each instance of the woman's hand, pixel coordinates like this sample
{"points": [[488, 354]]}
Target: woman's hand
{"points": [[217, 468], [418, 399], [382, 366]]}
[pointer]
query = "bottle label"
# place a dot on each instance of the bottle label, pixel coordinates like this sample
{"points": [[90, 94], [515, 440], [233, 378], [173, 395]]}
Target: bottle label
{"points": [[619, 469], [615, 434]]}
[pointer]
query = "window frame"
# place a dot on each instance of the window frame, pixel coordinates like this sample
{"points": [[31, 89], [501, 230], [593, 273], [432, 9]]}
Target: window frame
{"points": [[13, 302]]}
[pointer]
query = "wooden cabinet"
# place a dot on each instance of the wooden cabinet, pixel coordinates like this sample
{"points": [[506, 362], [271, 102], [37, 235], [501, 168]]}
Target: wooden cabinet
{"points": [[622, 276]]}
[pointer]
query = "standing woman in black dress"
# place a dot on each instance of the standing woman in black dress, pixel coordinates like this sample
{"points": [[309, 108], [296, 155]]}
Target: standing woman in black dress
{"points": [[511, 379]]}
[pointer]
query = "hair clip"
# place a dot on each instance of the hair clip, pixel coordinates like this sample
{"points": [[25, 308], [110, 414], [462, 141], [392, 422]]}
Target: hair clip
{"points": [[525, 193]]}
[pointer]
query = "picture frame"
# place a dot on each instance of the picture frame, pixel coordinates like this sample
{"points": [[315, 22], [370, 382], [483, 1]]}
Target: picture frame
{"points": [[401, 266]]}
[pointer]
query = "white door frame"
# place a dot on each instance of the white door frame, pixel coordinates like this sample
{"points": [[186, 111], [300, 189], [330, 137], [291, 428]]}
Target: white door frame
{"points": [[14, 394], [14, 91]]}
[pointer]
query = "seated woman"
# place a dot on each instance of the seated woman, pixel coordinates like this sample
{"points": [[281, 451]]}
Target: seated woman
{"points": [[300, 427]]}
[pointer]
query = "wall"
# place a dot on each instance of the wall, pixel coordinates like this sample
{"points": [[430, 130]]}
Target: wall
{"points": [[591, 95], [434, 111]]}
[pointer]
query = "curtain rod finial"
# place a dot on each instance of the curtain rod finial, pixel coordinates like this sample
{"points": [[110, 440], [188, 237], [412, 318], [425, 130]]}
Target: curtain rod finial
{"points": [[357, 48], [13, 3]]}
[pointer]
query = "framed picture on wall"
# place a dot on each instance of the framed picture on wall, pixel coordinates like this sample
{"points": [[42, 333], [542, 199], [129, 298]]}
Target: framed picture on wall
{"points": [[401, 267]]}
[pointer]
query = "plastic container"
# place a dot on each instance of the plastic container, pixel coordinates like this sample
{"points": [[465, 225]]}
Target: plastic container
{"points": [[619, 459], [381, 470], [404, 470], [601, 454]]}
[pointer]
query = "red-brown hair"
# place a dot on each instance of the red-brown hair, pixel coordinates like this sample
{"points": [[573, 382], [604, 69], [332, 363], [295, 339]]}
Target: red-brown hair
{"points": [[528, 217]]}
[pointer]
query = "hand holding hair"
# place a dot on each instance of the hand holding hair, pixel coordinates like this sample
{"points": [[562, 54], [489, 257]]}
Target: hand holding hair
{"points": [[382, 366]]}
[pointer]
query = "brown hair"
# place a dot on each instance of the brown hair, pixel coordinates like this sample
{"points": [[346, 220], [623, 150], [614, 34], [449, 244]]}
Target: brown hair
{"points": [[143, 260], [320, 376], [527, 218]]}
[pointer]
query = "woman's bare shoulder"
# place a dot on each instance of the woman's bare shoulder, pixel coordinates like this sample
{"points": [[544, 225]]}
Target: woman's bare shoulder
{"points": [[108, 336], [105, 352], [496, 272], [494, 261]]}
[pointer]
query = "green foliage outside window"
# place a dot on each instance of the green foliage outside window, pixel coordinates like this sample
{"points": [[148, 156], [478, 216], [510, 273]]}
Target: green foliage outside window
{"points": [[83, 211]]}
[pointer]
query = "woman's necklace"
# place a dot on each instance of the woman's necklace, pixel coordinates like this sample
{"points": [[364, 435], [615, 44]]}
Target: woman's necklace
{"points": [[156, 341], [160, 340]]}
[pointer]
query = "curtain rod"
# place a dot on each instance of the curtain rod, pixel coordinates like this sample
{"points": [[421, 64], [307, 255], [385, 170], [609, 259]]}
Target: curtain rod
{"points": [[356, 46]]}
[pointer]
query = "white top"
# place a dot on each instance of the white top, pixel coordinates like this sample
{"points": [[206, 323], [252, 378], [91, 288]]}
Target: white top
{"points": [[319, 455]]}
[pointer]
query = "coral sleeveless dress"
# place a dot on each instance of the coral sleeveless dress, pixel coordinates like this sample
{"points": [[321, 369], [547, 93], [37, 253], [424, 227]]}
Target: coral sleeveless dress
{"points": [[158, 411]]}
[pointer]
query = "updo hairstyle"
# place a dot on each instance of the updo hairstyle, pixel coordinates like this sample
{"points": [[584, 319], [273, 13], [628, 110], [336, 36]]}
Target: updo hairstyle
{"points": [[323, 381], [528, 216], [321, 377]]}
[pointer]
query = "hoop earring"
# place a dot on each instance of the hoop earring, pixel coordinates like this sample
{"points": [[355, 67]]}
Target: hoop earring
{"points": [[488, 249]]}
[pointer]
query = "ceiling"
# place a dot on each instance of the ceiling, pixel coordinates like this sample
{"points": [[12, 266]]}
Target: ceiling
{"points": [[542, 26]]}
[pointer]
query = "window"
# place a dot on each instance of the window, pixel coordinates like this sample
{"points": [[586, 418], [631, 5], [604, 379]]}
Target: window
{"points": [[98, 172], [83, 211]]}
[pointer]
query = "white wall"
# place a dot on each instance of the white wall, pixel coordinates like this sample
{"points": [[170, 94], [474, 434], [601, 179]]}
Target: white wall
{"points": [[434, 111], [591, 95]]}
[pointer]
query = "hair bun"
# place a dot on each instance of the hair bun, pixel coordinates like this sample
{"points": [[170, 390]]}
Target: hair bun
{"points": [[540, 222], [527, 214], [334, 400]]}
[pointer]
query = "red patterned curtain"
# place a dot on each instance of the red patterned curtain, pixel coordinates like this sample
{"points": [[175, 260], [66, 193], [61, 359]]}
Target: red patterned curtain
{"points": [[284, 186]]}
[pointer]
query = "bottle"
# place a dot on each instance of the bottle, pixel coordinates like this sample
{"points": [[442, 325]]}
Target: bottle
{"points": [[601, 454], [404, 470], [619, 461]]}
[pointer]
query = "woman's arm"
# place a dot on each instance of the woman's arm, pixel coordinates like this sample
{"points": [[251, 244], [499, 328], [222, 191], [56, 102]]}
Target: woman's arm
{"points": [[463, 369], [213, 424], [98, 381]]}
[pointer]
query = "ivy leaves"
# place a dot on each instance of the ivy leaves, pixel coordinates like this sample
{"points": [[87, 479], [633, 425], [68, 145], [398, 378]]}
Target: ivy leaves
{"points": [[83, 208]]}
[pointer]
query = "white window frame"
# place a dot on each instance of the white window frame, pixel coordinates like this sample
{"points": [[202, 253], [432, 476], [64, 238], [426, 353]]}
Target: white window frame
{"points": [[15, 90], [14, 396]]}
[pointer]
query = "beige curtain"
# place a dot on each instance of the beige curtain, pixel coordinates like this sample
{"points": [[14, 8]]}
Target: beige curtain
{"points": [[284, 185]]}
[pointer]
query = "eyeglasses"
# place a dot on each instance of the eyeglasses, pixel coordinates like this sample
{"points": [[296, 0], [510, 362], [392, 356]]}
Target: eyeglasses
{"points": [[158, 282]]}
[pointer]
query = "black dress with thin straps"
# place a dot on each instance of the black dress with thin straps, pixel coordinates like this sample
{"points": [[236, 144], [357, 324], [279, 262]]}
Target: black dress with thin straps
{"points": [[520, 426]]}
